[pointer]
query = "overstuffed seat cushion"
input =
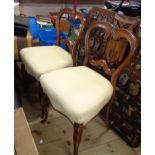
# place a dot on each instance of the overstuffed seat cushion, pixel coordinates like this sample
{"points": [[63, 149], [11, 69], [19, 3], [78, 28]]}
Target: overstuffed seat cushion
{"points": [[77, 92], [42, 59]]}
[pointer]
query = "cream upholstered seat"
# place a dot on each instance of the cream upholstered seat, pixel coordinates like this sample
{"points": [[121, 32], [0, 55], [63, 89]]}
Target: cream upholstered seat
{"points": [[78, 92], [42, 59]]}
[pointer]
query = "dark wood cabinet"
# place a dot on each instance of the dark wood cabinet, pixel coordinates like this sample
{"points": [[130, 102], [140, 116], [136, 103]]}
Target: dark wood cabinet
{"points": [[125, 117]]}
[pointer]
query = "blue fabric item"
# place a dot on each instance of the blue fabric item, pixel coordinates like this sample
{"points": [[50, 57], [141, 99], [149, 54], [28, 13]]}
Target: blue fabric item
{"points": [[48, 36], [75, 24], [34, 27]]}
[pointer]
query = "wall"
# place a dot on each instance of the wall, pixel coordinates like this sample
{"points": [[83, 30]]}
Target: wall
{"points": [[42, 8]]}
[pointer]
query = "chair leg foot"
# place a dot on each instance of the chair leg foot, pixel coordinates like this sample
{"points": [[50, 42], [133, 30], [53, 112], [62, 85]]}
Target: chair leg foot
{"points": [[44, 119], [78, 129], [44, 112]]}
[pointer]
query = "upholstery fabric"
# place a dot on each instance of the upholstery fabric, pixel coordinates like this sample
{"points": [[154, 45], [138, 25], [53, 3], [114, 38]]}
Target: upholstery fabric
{"points": [[42, 59], [77, 92]]}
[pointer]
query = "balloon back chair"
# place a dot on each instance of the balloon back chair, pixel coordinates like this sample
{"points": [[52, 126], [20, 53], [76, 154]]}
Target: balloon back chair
{"points": [[79, 93], [42, 59]]}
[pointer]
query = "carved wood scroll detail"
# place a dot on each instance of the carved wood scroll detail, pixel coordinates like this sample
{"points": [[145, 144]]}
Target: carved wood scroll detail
{"points": [[112, 62]]}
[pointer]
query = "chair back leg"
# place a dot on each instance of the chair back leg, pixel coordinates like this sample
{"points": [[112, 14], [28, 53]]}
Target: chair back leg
{"points": [[78, 129], [44, 104]]}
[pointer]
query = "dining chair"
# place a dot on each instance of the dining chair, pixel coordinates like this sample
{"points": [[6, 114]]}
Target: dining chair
{"points": [[39, 60], [42, 59], [80, 92]]}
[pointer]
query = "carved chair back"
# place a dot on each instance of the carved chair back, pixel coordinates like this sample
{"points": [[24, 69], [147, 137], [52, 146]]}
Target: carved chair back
{"points": [[73, 17], [110, 63], [102, 56]]}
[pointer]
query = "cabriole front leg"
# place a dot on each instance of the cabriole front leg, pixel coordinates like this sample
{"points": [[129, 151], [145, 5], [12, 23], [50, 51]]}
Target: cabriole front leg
{"points": [[78, 129]]}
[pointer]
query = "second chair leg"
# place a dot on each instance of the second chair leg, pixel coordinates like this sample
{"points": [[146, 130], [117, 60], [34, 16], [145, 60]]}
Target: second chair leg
{"points": [[78, 129], [44, 104]]}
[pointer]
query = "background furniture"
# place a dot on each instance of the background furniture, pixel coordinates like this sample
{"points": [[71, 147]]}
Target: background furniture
{"points": [[21, 42], [126, 110]]}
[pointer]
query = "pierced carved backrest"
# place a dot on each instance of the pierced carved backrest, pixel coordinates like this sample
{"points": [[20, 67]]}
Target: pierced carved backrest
{"points": [[72, 45], [118, 21], [99, 14], [110, 63]]}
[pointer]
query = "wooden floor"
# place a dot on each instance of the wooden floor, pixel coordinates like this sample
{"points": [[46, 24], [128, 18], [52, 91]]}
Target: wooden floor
{"points": [[55, 136]]}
